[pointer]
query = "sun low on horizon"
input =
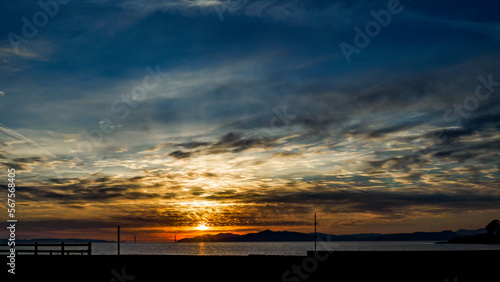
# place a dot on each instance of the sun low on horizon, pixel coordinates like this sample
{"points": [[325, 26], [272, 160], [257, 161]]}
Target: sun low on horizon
{"points": [[171, 121], [202, 227]]}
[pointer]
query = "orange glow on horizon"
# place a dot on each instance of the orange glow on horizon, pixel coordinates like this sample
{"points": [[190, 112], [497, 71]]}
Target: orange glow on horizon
{"points": [[202, 227]]}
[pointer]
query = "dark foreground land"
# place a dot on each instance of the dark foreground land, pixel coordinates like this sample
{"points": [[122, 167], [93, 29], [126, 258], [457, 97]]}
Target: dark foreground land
{"points": [[419, 266]]}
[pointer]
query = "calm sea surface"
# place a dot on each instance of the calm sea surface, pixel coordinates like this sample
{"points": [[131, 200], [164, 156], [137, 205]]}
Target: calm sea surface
{"points": [[273, 248]]}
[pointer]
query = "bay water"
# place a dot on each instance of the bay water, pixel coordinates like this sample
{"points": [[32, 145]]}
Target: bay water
{"points": [[274, 248]]}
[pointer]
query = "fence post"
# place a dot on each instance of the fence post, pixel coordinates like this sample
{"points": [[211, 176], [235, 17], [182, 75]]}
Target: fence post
{"points": [[62, 248], [118, 232], [90, 248], [36, 248]]}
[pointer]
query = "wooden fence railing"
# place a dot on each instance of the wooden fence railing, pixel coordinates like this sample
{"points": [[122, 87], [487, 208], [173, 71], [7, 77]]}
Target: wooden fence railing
{"points": [[62, 250]]}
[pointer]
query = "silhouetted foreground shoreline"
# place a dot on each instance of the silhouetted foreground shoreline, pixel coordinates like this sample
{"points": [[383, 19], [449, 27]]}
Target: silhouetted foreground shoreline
{"points": [[320, 266], [476, 239]]}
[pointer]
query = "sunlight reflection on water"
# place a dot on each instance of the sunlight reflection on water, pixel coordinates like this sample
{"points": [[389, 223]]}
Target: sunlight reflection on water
{"points": [[272, 248]]}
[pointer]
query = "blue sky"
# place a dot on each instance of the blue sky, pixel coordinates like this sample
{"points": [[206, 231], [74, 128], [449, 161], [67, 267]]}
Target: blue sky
{"points": [[244, 115]]}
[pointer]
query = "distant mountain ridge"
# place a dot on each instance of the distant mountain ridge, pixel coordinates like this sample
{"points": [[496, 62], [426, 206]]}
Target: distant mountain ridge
{"points": [[263, 236], [288, 236]]}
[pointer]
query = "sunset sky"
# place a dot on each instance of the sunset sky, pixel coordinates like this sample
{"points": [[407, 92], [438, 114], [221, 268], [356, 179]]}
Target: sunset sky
{"points": [[188, 117]]}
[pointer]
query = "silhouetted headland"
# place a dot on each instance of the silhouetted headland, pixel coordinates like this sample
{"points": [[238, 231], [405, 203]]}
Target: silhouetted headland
{"points": [[476, 239], [492, 236], [287, 236]]}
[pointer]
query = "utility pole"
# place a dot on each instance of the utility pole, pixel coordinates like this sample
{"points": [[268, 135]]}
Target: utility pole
{"points": [[118, 231], [315, 223]]}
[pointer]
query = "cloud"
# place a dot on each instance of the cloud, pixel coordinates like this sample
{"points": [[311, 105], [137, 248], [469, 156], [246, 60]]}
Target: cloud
{"points": [[238, 143], [382, 202], [101, 190], [6, 53], [232, 142], [258, 119], [180, 154]]}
